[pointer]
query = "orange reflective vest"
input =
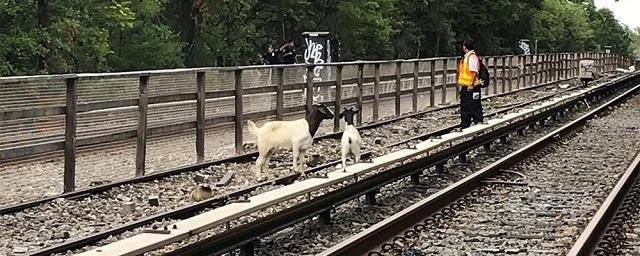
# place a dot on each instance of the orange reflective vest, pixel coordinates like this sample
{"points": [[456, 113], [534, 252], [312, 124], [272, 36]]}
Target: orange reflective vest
{"points": [[465, 76]]}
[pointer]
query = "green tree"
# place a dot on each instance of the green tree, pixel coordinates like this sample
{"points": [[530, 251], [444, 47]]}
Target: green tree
{"points": [[561, 26]]}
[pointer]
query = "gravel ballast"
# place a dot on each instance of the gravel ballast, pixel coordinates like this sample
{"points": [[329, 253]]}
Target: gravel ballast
{"points": [[61, 220]]}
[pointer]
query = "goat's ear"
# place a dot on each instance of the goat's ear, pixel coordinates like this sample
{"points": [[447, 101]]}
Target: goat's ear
{"points": [[356, 111], [341, 115]]}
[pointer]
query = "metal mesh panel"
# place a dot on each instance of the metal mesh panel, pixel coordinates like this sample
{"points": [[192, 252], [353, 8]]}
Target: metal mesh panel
{"points": [[108, 88], [219, 80], [32, 93], [172, 83]]}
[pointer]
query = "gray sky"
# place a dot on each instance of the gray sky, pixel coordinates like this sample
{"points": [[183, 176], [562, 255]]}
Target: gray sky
{"points": [[626, 11]]}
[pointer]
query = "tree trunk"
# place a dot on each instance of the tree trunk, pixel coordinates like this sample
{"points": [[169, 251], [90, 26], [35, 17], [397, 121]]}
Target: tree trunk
{"points": [[43, 24], [437, 48], [187, 30]]}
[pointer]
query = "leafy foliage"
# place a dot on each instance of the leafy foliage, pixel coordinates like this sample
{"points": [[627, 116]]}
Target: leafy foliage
{"points": [[58, 36]]}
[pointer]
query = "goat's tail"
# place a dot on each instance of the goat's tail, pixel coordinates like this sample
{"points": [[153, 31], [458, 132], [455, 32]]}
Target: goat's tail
{"points": [[253, 129]]}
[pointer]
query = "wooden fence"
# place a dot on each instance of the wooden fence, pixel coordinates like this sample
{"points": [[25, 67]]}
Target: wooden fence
{"points": [[40, 114]]}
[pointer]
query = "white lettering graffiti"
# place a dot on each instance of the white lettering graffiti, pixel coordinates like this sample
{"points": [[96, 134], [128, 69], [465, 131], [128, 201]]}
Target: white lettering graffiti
{"points": [[525, 47], [313, 55]]}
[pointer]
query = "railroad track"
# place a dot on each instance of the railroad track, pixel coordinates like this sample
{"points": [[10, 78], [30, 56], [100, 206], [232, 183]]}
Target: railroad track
{"points": [[536, 200], [29, 227], [301, 211], [615, 227]]}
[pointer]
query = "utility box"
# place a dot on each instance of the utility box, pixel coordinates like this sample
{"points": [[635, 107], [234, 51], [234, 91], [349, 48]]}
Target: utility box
{"points": [[586, 71]]}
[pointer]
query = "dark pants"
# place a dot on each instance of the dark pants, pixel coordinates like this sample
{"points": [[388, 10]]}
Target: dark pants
{"points": [[470, 109]]}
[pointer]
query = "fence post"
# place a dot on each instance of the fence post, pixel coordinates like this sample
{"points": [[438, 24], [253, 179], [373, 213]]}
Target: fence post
{"points": [[71, 123], [523, 74], [239, 118], [540, 69], [414, 99], [376, 91], [566, 65], [143, 103], [200, 115], [338, 99], [280, 94], [398, 86], [557, 67], [503, 76], [444, 81], [360, 92], [432, 90], [531, 74], [309, 89], [510, 75], [495, 75], [545, 68]]}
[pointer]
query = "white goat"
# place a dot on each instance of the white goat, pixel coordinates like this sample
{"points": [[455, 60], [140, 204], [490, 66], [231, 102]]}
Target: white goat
{"points": [[351, 141], [296, 135]]}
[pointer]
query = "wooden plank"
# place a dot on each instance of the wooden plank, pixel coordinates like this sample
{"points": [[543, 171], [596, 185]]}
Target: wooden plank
{"points": [[200, 115], [238, 111], [309, 89], [432, 87], [398, 87], [280, 94], [360, 93], [221, 94], [71, 122], [141, 146], [376, 91], [443, 97], [414, 96], [225, 180], [338, 99]]}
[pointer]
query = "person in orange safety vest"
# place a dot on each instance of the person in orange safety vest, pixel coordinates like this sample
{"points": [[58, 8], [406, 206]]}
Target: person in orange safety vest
{"points": [[470, 93]]}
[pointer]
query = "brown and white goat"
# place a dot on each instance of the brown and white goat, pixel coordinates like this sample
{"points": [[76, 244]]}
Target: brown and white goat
{"points": [[296, 135]]}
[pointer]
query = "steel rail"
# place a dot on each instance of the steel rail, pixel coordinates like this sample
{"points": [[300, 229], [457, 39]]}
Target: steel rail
{"points": [[244, 235], [374, 237], [595, 234], [248, 157], [221, 200]]}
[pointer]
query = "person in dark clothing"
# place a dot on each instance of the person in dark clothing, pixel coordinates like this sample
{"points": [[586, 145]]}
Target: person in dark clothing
{"points": [[288, 53], [271, 57], [470, 93]]}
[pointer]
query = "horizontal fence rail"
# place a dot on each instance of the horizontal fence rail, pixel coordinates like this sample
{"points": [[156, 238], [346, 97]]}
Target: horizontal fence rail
{"points": [[41, 114]]}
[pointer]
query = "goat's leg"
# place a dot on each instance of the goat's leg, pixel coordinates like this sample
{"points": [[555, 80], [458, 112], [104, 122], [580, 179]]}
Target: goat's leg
{"points": [[259, 164], [356, 154], [302, 156], [296, 154], [344, 160]]}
